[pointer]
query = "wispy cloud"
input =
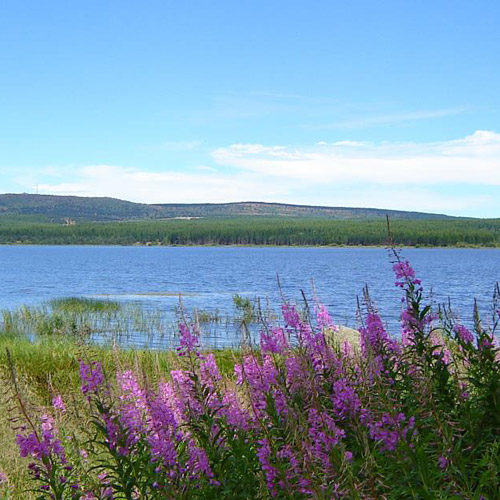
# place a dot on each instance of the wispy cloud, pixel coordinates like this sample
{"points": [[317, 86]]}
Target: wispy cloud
{"points": [[178, 146], [261, 105], [389, 119]]}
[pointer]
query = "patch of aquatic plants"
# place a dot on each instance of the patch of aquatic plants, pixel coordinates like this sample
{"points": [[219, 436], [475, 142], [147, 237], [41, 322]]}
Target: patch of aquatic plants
{"points": [[247, 311], [305, 415], [129, 324], [100, 321], [84, 304], [41, 321], [208, 316]]}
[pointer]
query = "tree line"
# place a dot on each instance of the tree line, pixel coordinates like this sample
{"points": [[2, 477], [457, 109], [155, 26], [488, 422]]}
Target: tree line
{"points": [[256, 231]]}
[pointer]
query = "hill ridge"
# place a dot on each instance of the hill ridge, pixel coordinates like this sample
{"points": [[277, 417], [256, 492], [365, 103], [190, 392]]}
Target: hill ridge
{"points": [[59, 207]]}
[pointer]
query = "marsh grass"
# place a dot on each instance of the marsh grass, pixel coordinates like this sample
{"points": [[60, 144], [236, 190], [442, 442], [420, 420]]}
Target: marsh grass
{"points": [[133, 324], [209, 316], [84, 304], [102, 322]]}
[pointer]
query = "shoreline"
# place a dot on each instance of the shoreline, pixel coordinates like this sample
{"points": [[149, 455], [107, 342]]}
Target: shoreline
{"points": [[160, 245]]}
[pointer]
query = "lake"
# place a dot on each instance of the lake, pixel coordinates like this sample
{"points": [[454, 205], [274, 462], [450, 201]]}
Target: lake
{"points": [[208, 277]]}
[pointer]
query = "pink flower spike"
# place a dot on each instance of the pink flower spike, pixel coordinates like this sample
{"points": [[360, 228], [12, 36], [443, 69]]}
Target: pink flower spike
{"points": [[58, 403]]}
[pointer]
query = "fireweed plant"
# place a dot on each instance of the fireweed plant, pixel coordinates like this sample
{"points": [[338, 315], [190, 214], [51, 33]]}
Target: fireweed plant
{"points": [[304, 416]]}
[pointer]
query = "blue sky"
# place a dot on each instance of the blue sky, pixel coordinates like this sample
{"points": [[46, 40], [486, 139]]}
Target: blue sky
{"points": [[388, 104]]}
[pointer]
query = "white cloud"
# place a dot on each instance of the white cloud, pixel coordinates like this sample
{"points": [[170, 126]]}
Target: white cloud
{"points": [[164, 187], [474, 159], [459, 176], [414, 199]]}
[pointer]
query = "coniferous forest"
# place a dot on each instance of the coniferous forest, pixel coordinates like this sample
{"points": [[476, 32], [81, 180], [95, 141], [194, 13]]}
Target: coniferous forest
{"points": [[254, 231]]}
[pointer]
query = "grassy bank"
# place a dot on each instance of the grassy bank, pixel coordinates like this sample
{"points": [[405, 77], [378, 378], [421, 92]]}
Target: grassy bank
{"points": [[49, 367]]}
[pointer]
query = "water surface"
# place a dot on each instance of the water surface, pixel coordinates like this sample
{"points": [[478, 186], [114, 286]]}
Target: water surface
{"points": [[208, 277]]}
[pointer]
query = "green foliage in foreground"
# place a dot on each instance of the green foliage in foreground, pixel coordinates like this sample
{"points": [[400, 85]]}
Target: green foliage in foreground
{"points": [[304, 416], [258, 231], [50, 366]]}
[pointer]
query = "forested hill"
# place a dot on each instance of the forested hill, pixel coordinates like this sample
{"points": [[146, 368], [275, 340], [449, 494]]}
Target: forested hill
{"points": [[249, 208], [52, 208], [57, 208]]}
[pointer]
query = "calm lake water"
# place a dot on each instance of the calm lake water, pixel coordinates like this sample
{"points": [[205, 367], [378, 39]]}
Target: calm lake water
{"points": [[208, 277]]}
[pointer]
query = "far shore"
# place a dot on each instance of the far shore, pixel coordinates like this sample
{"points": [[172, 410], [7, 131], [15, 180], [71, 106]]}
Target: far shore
{"points": [[150, 244]]}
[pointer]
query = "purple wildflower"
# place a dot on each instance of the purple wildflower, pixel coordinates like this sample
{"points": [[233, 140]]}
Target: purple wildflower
{"points": [[374, 337], [443, 462], [389, 430], [291, 316], [187, 401], [323, 318], [88, 496], [324, 435], [293, 475], [209, 371], [346, 403], [463, 334], [271, 473], [296, 374], [189, 340], [169, 398], [404, 273], [164, 435], [274, 342], [259, 377], [91, 376], [485, 343], [112, 432], [133, 411], [43, 444], [198, 463], [103, 477], [58, 403]]}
